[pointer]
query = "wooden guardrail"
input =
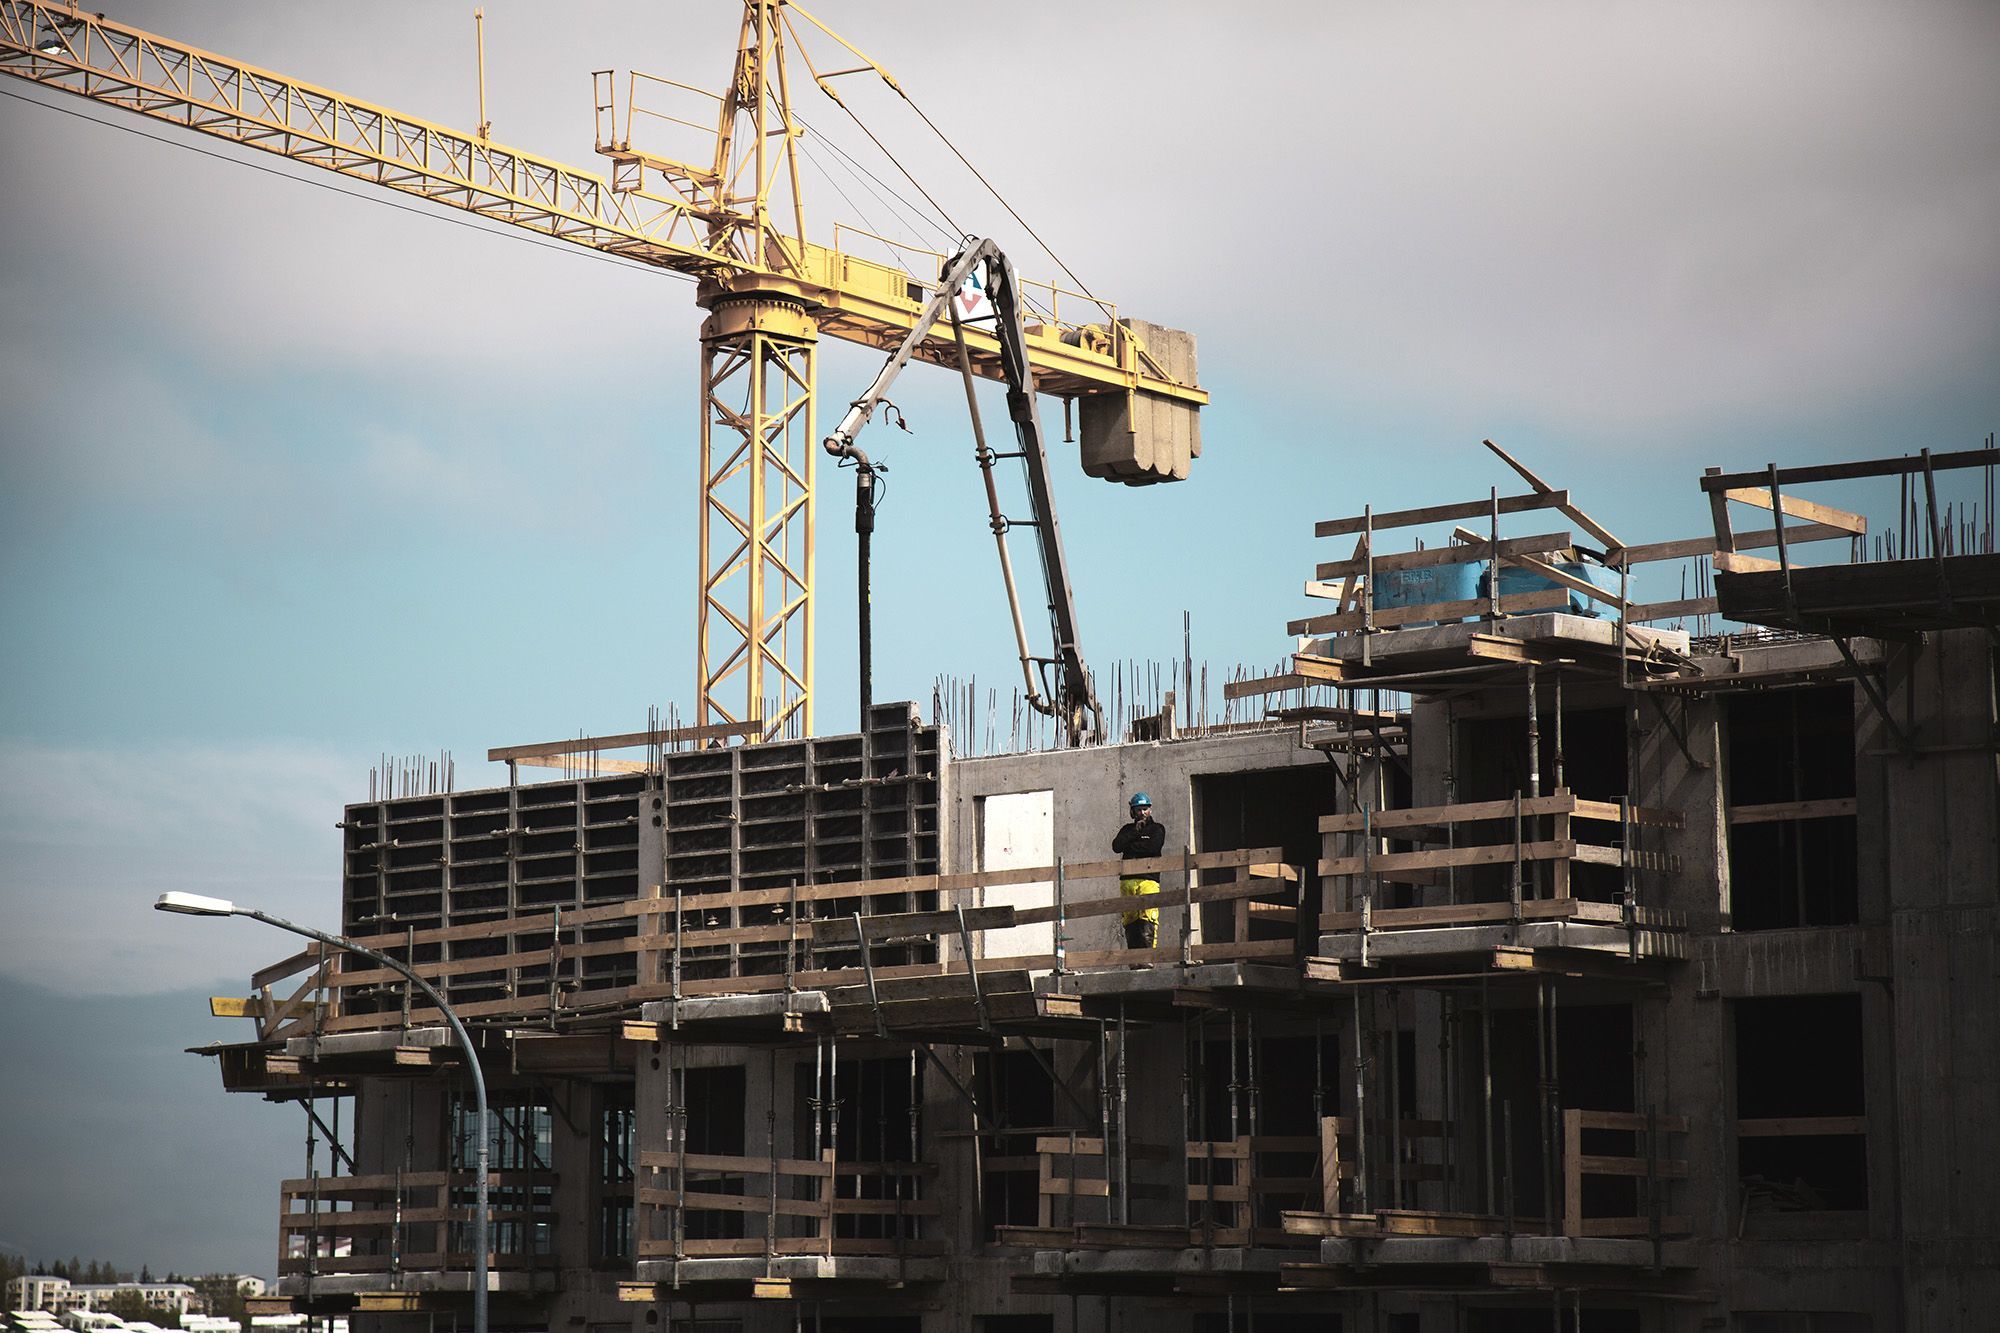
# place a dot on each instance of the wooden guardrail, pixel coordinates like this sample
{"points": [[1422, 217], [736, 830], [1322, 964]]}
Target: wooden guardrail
{"points": [[1646, 1163], [404, 1221], [1365, 867], [279, 1016], [1260, 886], [1229, 1211], [820, 1193], [1351, 583]]}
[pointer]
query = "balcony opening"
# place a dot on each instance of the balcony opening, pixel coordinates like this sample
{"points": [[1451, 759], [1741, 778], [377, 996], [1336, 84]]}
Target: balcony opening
{"points": [[1801, 1127], [1790, 786], [714, 1098], [1265, 1097], [1491, 755], [1265, 808], [520, 1158], [1020, 1100], [873, 1119], [612, 1174], [1585, 754], [1593, 1071]]}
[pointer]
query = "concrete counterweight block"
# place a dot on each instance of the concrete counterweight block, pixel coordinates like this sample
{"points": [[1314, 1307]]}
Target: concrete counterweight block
{"points": [[1137, 437]]}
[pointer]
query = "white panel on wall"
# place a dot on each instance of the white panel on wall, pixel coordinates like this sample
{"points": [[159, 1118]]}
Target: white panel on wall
{"points": [[1018, 829]]}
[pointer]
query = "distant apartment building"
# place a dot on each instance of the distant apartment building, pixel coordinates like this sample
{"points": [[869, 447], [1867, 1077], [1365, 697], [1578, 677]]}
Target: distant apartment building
{"points": [[58, 1295], [38, 1291]]}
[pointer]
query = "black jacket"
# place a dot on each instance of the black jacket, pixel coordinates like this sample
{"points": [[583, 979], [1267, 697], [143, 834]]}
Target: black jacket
{"points": [[1139, 842]]}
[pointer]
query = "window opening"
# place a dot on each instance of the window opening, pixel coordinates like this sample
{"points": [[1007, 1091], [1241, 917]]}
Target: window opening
{"points": [[1790, 784], [1801, 1128]]}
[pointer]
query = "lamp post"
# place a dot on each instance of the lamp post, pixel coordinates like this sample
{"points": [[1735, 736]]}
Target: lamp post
{"points": [[194, 904]]}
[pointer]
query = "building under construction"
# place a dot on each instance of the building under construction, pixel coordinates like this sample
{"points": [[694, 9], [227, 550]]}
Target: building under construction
{"points": [[1560, 971], [1528, 957]]}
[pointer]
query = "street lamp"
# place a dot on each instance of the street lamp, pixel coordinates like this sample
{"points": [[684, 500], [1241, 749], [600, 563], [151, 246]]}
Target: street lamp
{"points": [[194, 904]]}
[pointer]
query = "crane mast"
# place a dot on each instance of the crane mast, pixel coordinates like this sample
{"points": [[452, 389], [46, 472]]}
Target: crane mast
{"points": [[734, 222]]}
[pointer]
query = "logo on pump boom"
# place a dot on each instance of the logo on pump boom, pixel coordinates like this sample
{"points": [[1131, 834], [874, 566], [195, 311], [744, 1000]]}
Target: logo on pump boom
{"points": [[970, 301]]}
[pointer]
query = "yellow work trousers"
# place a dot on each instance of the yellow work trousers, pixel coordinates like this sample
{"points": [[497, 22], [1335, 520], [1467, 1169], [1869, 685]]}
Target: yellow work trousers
{"points": [[1135, 887]]}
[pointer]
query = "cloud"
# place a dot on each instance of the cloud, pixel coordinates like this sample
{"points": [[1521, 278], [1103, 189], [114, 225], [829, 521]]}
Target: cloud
{"points": [[90, 836], [1605, 217]]}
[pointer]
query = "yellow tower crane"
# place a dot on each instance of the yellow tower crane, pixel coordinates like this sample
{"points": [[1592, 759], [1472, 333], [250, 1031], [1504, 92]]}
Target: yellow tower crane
{"points": [[721, 219]]}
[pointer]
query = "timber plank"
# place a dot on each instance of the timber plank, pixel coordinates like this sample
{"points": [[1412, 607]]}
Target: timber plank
{"points": [[1409, 518]]}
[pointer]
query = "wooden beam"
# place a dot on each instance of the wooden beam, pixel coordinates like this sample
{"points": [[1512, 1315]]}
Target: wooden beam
{"points": [[1777, 811], [1389, 617], [1882, 467], [1795, 1126], [1690, 606], [1409, 518], [710, 731], [589, 763], [1558, 803], [1443, 555], [1645, 816], [1732, 562], [1690, 547], [1810, 511], [1555, 849], [1499, 648], [1259, 685], [1574, 514], [1383, 918], [1319, 670]]}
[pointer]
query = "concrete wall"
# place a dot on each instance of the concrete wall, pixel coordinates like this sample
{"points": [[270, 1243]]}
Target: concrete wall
{"points": [[1090, 789]]}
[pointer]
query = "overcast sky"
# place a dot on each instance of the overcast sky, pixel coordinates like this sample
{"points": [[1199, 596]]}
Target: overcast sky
{"points": [[291, 479]]}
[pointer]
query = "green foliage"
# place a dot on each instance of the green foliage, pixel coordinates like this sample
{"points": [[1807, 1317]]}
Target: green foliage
{"points": [[130, 1305], [221, 1297]]}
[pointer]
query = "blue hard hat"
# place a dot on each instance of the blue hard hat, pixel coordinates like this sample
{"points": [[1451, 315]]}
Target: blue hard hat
{"points": [[1140, 798]]}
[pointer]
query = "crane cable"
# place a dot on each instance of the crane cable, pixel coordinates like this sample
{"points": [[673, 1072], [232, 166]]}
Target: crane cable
{"points": [[897, 163], [1011, 210], [907, 210]]}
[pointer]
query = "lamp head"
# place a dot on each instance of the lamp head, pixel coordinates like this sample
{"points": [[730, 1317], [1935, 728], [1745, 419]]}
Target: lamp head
{"points": [[193, 904], [51, 44]]}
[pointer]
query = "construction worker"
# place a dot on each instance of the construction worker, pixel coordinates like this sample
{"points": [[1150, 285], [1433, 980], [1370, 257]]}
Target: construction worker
{"points": [[1140, 840]]}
